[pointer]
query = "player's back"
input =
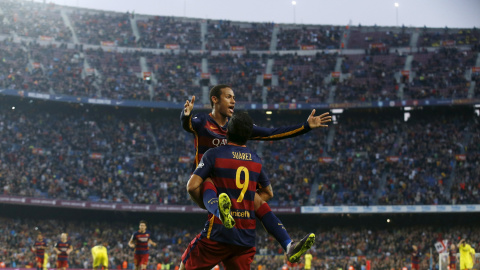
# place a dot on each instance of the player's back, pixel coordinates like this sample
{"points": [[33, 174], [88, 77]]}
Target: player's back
{"points": [[99, 250], [237, 171]]}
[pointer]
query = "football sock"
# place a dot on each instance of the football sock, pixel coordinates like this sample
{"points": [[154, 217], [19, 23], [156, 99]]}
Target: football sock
{"points": [[273, 225], [210, 198]]}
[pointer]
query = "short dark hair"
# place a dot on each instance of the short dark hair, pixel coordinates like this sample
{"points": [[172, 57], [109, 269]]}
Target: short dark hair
{"points": [[239, 128], [216, 91], [143, 221]]}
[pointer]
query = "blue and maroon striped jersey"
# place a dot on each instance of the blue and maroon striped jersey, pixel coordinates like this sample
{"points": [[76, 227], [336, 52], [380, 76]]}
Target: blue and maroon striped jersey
{"points": [[141, 241], [63, 247], [208, 133], [40, 248], [234, 170]]}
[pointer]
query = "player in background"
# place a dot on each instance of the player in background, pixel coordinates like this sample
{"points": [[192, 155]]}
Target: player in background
{"points": [[140, 241], [210, 131], [415, 258], [39, 249], [100, 256], [308, 261], [63, 248], [233, 171], [467, 255], [452, 257]]}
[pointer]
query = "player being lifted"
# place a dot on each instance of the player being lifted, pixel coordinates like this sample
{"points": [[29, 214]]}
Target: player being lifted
{"points": [[234, 171], [210, 131], [39, 249], [140, 241], [63, 248]]}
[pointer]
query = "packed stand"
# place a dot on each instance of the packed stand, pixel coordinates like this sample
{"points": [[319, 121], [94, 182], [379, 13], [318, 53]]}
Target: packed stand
{"points": [[369, 78], [335, 247], [242, 72], [422, 174], [103, 28], [177, 76], [301, 78], [359, 154], [465, 187], [118, 74], [45, 69], [449, 37], [309, 37], [363, 38], [165, 32], [35, 20], [90, 155], [223, 35], [441, 74]]}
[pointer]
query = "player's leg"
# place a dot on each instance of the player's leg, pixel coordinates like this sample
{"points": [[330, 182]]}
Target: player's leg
{"points": [[274, 226], [242, 260], [144, 261], [218, 206]]}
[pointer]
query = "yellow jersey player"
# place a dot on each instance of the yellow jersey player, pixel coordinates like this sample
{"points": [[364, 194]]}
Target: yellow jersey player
{"points": [[308, 261], [467, 255], [100, 256]]}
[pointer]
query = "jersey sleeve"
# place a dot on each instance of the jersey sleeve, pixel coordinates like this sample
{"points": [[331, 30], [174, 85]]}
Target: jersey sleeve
{"points": [[205, 167], [271, 134], [190, 123], [263, 180]]}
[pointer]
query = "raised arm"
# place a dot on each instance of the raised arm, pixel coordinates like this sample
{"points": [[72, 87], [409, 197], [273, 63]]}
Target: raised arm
{"points": [[186, 115], [270, 134]]}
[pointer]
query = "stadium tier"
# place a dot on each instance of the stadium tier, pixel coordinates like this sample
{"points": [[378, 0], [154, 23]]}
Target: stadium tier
{"points": [[91, 140]]}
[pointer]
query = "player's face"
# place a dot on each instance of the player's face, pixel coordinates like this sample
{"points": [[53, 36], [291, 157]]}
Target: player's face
{"points": [[39, 238], [142, 227], [226, 104], [63, 237]]}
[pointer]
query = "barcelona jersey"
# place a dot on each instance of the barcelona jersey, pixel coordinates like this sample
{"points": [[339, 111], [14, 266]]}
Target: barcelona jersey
{"points": [[236, 171], [208, 133], [141, 242], [40, 248], [63, 247]]}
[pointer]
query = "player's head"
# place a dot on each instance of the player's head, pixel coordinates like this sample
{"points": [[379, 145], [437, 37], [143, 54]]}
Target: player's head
{"points": [[414, 248], [222, 99], [452, 247], [63, 237], [39, 237], [239, 128], [142, 225]]}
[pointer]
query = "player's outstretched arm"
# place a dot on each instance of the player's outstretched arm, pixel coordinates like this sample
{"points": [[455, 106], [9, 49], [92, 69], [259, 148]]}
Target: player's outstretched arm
{"points": [[280, 133], [318, 121], [194, 189]]}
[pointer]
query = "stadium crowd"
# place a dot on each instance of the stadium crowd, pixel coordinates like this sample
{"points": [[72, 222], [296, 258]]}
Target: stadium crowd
{"points": [[335, 247], [90, 153]]}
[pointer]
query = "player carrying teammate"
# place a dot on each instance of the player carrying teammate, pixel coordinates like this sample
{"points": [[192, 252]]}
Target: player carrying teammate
{"points": [[39, 249], [210, 131], [140, 241], [100, 256], [235, 172], [63, 248]]}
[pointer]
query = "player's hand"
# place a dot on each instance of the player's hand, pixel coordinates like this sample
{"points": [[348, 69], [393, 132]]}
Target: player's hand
{"points": [[131, 245], [188, 106], [318, 121]]}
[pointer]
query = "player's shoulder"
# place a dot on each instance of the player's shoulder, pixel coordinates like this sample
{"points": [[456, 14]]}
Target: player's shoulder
{"points": [[200, 116]]}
